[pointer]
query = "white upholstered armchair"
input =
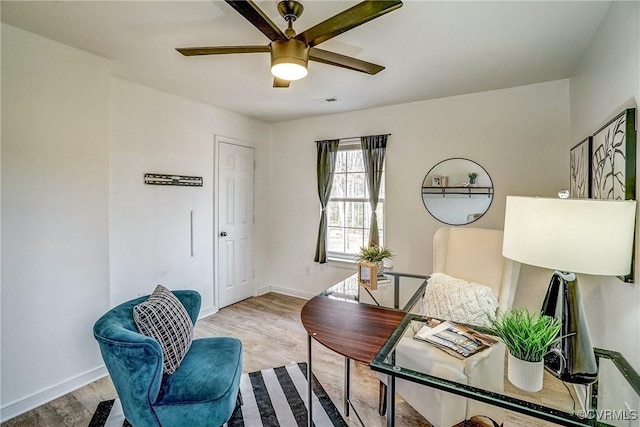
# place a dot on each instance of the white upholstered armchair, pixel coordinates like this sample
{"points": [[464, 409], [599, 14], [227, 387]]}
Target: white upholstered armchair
{"points": [[473, 255]]}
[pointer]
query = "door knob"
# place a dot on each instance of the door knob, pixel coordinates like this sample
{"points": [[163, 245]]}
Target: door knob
{"points": [[223, 234]]}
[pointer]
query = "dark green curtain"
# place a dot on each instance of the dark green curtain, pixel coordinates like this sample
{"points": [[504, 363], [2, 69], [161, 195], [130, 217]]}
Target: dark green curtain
{"points": [[327, 155], [374, 148]]}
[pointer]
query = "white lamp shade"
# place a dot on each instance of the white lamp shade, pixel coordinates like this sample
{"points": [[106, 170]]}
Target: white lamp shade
{"points": [[572, 235]]}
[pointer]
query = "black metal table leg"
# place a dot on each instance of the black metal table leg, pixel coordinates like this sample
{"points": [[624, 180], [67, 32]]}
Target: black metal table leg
{"points": [[391, 401], [309, 384], [347, 382]]}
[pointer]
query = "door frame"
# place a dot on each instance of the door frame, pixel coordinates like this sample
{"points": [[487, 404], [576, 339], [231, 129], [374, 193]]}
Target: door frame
{"points": [[218, 139]]}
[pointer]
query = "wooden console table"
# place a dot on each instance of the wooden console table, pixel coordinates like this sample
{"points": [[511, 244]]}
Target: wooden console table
{"points": [[357, 326]]}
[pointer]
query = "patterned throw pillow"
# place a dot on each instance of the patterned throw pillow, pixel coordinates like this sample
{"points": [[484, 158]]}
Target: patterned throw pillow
{"points": [[454, 299], [163, 317]]}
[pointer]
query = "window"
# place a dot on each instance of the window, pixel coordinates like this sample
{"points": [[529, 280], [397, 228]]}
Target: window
{"points": [[348, 210]]}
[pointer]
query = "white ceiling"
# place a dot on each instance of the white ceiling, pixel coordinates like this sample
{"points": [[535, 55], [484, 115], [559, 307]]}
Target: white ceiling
{"points": [[430, 49]]}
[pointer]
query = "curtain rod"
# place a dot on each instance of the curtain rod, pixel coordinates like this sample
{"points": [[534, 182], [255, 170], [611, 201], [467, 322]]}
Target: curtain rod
{"points": [[353, 137]]}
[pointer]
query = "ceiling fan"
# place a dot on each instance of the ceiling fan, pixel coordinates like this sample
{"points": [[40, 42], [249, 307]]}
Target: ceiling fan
{"points": [[291, 52]]}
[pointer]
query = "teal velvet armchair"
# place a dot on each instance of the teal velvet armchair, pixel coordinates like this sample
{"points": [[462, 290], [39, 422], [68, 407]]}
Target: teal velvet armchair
{"points": [[203, 391]]}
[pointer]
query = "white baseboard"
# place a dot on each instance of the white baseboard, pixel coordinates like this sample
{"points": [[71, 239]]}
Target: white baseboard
{"points": [[207, 312], [40, 398], [263, 290], [292, 292]]}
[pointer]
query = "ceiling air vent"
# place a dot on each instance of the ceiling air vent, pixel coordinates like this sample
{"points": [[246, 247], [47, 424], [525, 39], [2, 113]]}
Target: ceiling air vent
{"points": [[326, 100]]}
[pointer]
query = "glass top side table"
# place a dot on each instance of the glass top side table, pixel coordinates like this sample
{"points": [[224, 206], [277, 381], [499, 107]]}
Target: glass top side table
{"points": [[397, 290], [613, 400]]}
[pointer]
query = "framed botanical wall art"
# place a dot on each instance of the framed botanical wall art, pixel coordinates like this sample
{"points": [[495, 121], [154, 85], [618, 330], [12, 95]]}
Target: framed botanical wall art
{"points": [[613, 165], [580, 170], [613, 159]]}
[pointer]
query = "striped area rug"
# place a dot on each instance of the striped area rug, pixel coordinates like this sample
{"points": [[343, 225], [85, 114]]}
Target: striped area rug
{"points": [[271, 398]]}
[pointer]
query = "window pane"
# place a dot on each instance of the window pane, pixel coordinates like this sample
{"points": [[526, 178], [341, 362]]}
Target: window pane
{"points": [[355, 240], [354, 214], [335, 214], [382, 185], [348, 221], [356, 186], [354, 161], [338, 190], [341, 161], [335, 239], [366, 207]]}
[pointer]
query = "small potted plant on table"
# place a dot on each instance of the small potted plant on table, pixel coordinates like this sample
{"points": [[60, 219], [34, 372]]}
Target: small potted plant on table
{"points": [[370, 261], [527, 338], [374, 254]]}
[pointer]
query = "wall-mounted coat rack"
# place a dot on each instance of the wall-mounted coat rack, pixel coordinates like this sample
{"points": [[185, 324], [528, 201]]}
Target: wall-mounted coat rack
{"points": [[163, 179]]}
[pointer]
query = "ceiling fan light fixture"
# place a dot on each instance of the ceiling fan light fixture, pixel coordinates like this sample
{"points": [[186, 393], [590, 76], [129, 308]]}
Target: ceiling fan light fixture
{"points": [[290, 53], [289, 71], [289, 59]]}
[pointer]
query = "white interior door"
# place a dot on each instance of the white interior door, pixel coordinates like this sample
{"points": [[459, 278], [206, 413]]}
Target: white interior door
{"points": [[235, 223]]}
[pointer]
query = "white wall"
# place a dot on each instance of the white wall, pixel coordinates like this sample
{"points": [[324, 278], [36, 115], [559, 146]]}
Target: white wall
{"points": [[75, 140], [55, 251], [154, 132], [606, 82], [75, 145], [518, 135]]}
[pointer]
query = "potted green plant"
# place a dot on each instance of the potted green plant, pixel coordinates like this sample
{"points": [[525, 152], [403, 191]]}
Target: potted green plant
{"points": [[528, 338], [472, 177], [374, 254]]}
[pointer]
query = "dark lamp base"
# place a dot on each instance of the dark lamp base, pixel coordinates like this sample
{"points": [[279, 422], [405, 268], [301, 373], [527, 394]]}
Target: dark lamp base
{"points": [[572, 359], [553, 364]]}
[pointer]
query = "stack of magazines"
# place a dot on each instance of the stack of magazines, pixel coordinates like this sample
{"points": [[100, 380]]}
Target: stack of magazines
{"points": [[454, 338]]}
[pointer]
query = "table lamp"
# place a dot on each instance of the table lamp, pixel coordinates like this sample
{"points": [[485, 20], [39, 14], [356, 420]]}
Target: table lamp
{"points": [[570, 236]]}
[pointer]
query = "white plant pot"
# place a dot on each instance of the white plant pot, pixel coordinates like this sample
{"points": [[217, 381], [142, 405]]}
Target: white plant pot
{"points": [[525, 375]]}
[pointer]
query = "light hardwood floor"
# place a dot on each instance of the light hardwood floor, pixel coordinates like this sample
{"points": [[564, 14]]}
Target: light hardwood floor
{"points": [[272, 335]]}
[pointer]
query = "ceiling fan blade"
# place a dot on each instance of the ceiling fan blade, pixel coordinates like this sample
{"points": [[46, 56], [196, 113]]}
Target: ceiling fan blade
{"points": [[344, 21], [280, 83], [343, 61], [221, 50], [258, 19]]}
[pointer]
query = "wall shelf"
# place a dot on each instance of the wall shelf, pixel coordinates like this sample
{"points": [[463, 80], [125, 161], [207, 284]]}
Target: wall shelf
{"points": [[470, 191]]}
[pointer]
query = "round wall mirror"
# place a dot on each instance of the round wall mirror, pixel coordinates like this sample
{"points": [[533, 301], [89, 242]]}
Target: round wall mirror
{"points": [[457, 191]]}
